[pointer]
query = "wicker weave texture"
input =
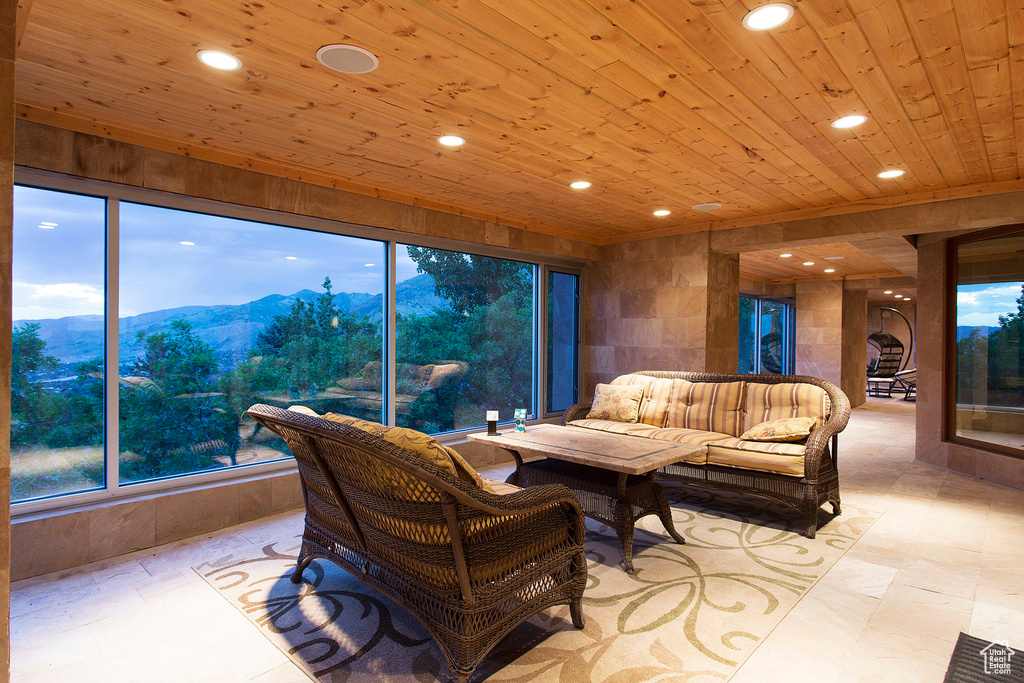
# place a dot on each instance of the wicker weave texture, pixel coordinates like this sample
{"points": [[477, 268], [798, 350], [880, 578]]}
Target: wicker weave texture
{"points": [[820, 483], [468, 564]]}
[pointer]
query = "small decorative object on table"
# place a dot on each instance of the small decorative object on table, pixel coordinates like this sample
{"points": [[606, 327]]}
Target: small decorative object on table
{"points": [[520, 416], [492, 422]]}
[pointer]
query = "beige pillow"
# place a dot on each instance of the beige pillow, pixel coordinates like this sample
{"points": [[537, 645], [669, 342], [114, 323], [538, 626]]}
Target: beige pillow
{"points": [[620, 403], [419, 443], [784, 429]]}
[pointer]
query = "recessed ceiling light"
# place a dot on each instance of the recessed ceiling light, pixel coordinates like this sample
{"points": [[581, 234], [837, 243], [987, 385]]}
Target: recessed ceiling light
{"points": [[47, 225], [451, 140], [580, 184], [894, 173], [348, 59], [186, 243], [898, 296], [830, 270], [888, 291], [834, 258], [219, 60], [784, 255], [849, 121], [706, 207], [292, 258], [768, 16], [808, 263], [369, 265], [662, 212]]}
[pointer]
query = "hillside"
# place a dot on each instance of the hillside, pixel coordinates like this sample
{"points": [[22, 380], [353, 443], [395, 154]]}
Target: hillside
{"points": [[230, 330]]}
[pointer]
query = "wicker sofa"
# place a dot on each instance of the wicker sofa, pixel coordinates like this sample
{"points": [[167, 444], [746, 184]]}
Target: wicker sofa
{"points": [[470, 563], [716, 409]]}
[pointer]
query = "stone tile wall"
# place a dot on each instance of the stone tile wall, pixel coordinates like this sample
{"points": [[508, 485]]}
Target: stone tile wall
{"points": [[8, 34], [831, 334], [930, 448], [660, 304], [51, 542]]}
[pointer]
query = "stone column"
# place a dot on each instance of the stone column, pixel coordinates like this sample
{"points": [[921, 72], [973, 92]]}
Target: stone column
{"points": [[661, 304], [831, 335], [8, 33]]}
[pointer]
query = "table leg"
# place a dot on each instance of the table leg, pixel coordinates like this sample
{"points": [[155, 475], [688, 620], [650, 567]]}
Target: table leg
{"points": [[514, 477], [665, 512], [624, 523]]}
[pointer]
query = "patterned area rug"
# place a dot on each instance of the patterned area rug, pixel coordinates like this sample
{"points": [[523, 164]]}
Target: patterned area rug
{"points": [[691, 612]]}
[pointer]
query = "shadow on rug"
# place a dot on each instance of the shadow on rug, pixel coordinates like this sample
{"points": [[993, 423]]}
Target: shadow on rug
{"points": [[691, 612]]}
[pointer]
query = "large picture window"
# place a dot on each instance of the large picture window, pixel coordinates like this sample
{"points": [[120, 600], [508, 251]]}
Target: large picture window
{"points": [[467, 346], [988, 304], [217, 314], [57, 365], [143, 330]]}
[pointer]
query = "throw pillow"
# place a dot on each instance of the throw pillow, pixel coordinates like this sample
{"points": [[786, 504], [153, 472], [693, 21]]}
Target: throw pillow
{"points": [[616, 402], [784, 429], [419, 443]]}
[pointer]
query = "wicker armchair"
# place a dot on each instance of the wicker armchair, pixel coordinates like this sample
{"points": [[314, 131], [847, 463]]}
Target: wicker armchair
{"points": [[468, 564]]}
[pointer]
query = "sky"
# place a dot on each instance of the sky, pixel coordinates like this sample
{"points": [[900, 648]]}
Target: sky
{"points": [[981, 305], [59, 258]]}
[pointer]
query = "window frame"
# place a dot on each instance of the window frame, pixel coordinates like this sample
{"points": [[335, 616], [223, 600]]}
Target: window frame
{"points": [[788, 322], [949, 342], [114, 193]]}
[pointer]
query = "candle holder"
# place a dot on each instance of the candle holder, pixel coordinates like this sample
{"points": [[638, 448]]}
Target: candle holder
{"points": [[492, 423]]}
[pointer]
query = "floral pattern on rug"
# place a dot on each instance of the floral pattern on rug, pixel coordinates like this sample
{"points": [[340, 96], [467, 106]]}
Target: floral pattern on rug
{"points": [[691, 612]]}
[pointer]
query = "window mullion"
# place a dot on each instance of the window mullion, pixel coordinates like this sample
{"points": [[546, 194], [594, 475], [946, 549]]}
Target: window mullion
{"points": [[111, 361]]}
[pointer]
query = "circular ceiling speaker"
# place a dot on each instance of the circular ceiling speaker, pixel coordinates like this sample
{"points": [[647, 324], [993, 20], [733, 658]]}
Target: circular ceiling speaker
{"points": [[706, 207], [348, 59]]}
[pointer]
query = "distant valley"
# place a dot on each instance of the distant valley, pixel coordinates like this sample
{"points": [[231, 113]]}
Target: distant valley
{"points": [[230, 330]]}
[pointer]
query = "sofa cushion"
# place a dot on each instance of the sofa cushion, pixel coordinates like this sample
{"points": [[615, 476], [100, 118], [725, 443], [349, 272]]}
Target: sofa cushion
{"points": [[420, 444], [762, 456], [654, 404], [776, 401], [783, 429], [708, 406], [619, 403]]}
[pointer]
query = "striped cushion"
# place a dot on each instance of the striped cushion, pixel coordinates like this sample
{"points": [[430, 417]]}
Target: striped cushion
{"points": [[687, 436], [631, 428], [777, 401], [710, 406], [762, 456]]}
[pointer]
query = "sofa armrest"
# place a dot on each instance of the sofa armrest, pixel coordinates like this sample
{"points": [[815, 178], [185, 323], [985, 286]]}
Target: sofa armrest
{"points": [[577, 411], [818, 440]]}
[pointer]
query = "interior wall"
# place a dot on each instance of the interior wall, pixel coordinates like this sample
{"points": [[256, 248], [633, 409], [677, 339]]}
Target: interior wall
{"points": [[831, 326], [660, 304], [1004, 469], [8, 34]]}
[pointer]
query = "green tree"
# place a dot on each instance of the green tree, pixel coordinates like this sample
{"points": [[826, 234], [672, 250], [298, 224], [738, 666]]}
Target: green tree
{"points": [[312, 347], [471, 280], [489, 326], [172, 416]]}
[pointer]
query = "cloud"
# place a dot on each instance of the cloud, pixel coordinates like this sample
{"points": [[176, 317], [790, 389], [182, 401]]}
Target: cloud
{"points": [[32, 301], [966, 299]]}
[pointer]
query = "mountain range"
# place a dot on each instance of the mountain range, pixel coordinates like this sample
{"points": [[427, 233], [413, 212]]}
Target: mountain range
{"points": [[230, 329]]}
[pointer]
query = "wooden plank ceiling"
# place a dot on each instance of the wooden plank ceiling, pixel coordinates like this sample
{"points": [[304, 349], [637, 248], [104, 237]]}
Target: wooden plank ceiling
{"points": [[659, 103]]}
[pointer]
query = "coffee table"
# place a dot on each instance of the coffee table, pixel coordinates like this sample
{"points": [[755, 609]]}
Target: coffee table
{"points": [[611, 474]]}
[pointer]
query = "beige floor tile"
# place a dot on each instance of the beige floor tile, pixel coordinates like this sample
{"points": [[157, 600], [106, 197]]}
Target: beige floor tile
{"points": [[946, 554]]}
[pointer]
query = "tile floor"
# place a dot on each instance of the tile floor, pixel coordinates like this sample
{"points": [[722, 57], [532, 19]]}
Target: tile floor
{"points": [[946, 556]]}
